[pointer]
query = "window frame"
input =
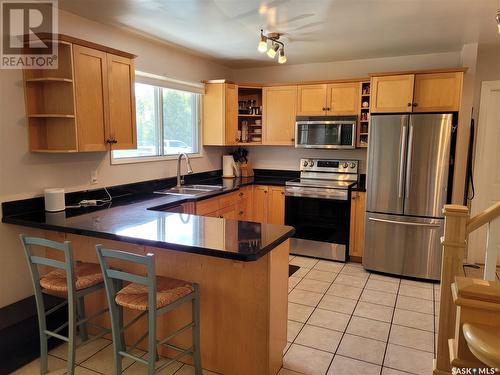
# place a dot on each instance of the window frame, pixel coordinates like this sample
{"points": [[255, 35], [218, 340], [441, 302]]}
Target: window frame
{"points": [[159, 109]]}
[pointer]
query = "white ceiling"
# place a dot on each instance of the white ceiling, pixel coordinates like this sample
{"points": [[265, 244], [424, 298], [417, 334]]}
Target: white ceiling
{"points": [[315, 30]]}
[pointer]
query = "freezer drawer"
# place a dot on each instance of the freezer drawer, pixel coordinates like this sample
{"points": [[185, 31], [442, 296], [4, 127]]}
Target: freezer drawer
{"points": [[403, 245]]}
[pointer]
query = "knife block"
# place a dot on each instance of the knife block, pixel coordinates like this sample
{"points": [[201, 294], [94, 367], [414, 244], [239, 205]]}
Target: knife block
{"points": [[246, 170]]}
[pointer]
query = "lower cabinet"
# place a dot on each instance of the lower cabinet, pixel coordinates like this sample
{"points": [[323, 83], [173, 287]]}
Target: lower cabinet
{"points": [[357, 231], [269, 204]]}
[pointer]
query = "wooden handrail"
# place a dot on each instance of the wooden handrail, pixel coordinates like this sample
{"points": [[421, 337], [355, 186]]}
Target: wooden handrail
{"points": [[484, 217]]}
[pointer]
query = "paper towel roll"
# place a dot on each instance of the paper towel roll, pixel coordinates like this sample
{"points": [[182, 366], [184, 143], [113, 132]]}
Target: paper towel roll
{"points": [[54, 199]]}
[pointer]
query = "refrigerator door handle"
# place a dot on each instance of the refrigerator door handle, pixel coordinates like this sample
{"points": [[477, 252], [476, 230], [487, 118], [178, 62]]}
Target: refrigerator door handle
{"points": [[409, 161], [401, 163], [404, 223]]}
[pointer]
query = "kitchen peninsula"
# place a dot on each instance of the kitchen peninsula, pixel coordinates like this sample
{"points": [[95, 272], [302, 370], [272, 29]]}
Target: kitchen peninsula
{"points": [[241, 267]]}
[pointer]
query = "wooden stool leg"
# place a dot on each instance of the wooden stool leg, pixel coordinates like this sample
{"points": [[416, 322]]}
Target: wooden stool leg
{"points": [[82, 328], [196, 331]]}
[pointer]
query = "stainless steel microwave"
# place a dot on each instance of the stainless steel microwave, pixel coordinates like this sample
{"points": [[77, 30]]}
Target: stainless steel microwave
{"points": [[334, 132]]}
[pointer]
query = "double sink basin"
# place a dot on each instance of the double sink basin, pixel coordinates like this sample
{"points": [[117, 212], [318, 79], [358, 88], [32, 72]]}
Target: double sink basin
{"points": [[191, 190]]}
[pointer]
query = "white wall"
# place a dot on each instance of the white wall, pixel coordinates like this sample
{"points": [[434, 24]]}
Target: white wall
{"points": [[24, 174], [286, 157]]}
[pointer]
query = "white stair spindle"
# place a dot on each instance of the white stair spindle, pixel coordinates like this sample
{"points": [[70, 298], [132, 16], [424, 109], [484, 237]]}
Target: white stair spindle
{"points": [[492, 242]]}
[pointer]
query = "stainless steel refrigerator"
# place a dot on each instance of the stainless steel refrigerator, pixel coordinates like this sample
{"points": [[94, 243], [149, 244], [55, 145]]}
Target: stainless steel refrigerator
{"points": [[407, 183]]}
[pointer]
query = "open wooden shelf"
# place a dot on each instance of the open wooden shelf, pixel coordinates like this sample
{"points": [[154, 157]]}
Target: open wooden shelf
{"points": [[240, 115], [363, 128], [49, 79]]}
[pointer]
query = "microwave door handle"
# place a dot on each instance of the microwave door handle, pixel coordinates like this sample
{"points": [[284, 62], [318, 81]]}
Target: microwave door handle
{"points": [[339, 134]]}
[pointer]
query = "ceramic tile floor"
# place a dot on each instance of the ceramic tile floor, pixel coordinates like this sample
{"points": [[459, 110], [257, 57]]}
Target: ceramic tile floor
{"points": [[342, 320]]}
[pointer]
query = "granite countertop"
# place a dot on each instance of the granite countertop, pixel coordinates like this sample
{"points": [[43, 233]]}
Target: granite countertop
{"points": [[141, 219]]}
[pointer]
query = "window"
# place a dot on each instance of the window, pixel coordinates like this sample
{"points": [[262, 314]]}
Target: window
{"points": [[167, 123]]}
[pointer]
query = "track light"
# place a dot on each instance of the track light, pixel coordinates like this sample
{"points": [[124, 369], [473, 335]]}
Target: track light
{"points": [[275, 47], [271, 52], [282, 57], [263, 43]]}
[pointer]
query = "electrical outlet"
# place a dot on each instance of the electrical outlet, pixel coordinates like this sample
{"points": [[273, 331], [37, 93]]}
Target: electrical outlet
{"points": [[93, 177]]}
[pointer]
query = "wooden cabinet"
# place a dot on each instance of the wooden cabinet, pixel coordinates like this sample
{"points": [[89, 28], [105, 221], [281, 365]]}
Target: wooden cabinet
{"points": [[276, 205], [311, 100], [421, 92], [260, 203], [280, 110], [392, 93], [220, 114], [235, 205], [122, 130], [357, 226], [328, 99], [87, 104], [437, 92], [343, 98]]}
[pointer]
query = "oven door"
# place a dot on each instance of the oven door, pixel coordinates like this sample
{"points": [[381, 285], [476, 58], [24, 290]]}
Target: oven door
{"points": [[321, 226], [325, 134]]}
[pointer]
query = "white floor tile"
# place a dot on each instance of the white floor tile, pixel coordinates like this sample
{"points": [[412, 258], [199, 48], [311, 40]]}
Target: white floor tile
{"points": [[102, 361], [319, 338], [388, 279], [329, 319], [391, 371], [299, 313], [372, 311], [372, 329], [301, 272], [321, 275], [189, 370], [361, 348], [293, 330], [349, 280], [303, 262], [313, 285], [284, 371], [379, 298], [414, 319], [304, 297], [418, 284], [344, 291], [414, 304], [349, 366], [416, 292], [382, 286], [339, 304], [410, 360], [293, 281], [412, 338], [82, 353], [326, 265], [307, 360]]}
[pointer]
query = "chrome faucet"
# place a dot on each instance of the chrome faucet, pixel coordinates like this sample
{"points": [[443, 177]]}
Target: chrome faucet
{"points": [[180, 179]]}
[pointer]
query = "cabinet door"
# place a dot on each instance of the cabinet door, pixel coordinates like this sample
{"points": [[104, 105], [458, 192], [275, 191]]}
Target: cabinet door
{"points": [[122, 126], [311, 100], [357, 227], [392, 93], [437, 92], [214, 130], [245, 203], [343, 98], [231, 113], [280, 110], [276, 210], [91, 97], [229, 212], [260, 203]]}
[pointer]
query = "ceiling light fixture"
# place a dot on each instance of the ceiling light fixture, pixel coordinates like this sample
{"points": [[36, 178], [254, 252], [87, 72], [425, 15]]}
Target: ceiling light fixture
{"points": [[276, 47]]}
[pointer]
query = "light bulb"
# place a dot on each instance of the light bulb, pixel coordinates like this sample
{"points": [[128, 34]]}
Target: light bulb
{"points": [[263, 43], [271, 52], [282, 58]]}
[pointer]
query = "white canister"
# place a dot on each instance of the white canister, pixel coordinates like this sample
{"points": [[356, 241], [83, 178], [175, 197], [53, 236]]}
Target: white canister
{"points": [[54, 200]]}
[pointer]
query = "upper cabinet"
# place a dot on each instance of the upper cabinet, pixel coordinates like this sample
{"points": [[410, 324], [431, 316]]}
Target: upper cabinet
{"points": [[328, 99], [279, 110], [87, 104], [421, 92], [437, 92], [311, 100], [392, 93], [220, 114], [343, 98]]}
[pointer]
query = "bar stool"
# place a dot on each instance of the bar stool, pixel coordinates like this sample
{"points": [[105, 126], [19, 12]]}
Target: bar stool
{"points": [[154, 296], [69, 281]]}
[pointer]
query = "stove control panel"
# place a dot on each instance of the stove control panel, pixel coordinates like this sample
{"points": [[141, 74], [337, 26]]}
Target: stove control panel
{"points": [[329, 165]]}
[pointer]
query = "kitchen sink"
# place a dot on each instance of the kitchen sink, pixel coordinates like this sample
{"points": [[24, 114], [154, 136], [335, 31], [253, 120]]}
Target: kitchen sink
{"points": [[191, 190]]}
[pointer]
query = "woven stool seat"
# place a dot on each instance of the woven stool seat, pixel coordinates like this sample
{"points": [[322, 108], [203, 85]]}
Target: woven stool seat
{"points": [[86, 274], [135, 296]]}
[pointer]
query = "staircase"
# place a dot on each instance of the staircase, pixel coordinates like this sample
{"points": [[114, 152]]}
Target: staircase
{"points": [[469, 317]]}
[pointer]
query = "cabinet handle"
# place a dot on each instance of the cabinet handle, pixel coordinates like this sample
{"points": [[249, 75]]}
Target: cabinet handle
{"points": [[282, 193], [415, 104], [409, 104], [241, 194], [240, 213], [293, 139], [328, 108], [221, 217], [323, 109], [109, 141], [114, 141]]}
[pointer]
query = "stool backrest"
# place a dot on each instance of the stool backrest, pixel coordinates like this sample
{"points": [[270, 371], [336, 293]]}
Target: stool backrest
{"points": [[35, 260], [111, 274]]}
